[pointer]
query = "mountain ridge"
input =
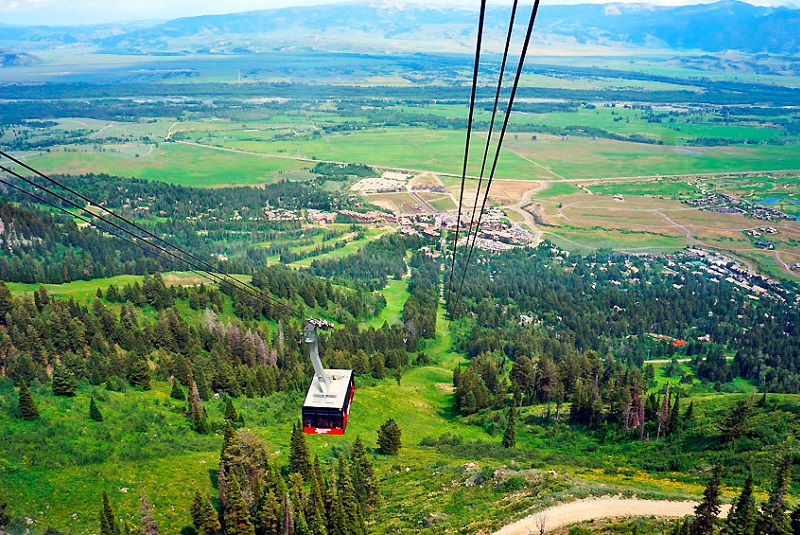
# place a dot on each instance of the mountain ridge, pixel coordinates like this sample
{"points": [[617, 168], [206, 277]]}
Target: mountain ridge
{"points": [[728, 25]]}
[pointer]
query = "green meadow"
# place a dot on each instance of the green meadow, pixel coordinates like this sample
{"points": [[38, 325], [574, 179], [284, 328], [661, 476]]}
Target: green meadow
{"points": [[175, 163]]}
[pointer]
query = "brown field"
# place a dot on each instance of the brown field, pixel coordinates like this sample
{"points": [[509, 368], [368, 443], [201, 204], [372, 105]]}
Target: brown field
{"points": [[581, 219], [510, 191], [425, 180], [395, 202]]}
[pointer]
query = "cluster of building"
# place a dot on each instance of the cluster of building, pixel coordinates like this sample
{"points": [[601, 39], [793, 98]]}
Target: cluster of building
{"points": [[728, 204], [721, 267], [373, 216], [715, 267], [496, 233], [281, 214], [763, 230]]}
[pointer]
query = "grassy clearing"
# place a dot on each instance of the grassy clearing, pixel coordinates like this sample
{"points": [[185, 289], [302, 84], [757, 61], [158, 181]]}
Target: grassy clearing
{"points": [[169, 162], [396, 294], [586, 240], [85, 291], [352, 247], [600, 158]]}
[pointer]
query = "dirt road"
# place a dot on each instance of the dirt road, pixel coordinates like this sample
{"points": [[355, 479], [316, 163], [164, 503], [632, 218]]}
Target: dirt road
{"points": [[590, 509]]}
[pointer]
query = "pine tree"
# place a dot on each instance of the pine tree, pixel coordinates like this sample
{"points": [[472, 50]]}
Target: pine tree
{"points": [[6, 302], [149, 525], [237, 514], [456, 375], [389, 438], [689, 414], [763, 401], [315, 502], [673, 421], [94, 412], [663, 414], [202, 387], [346, 495], [230, 410], [197, 413], [204, 516], [294, 504], [774, 519], [735, 423], [64, 382], [708, 509], [108, 522], [299, 457], [177, 391], [337, 521], [27, 407], [228, 437], [363, 476], [4, 517], [742, 517], [510, 435], [139, 373], [269, 516], [222, 485], [202, 426]]}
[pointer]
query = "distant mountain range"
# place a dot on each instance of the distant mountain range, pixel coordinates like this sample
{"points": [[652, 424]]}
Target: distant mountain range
{"points": [[370, 27]]}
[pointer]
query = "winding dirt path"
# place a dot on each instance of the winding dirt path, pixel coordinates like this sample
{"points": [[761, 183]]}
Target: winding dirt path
{"points": [[594, 508], [519, 208]]}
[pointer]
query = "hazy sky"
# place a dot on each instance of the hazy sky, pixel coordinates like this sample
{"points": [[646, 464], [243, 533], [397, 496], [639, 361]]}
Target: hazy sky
{"points": [[51, 12]]}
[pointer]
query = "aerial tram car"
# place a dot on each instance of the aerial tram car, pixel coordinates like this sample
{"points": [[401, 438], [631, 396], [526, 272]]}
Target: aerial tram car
{"points": [[327, 405]]}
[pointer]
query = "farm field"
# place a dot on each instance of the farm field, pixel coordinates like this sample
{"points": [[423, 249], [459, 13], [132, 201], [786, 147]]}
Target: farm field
{"points": [[171, 162], [648, 217]]}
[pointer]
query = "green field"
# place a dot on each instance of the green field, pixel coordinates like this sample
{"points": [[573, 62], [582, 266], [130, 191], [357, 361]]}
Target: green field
{"points": [[396, 294], [170, 162], [670, 188], [587, 240]]}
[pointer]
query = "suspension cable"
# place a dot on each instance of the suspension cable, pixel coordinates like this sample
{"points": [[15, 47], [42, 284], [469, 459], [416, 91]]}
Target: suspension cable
{"points": [[475, 70], [517, 76]]}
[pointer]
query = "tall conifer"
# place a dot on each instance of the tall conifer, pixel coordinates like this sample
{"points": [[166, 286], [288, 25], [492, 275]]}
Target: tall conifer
{"points": [[346, 496], [108, 522], [204, 516], [27, 407], [269, 516], [64, 382], [315, 502], [708, 509], [177, 391], [742, 517], [94, 411], [299, 457], [230, 410], [237, 514], [363, 476], [774, 518], [510, 435]]}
